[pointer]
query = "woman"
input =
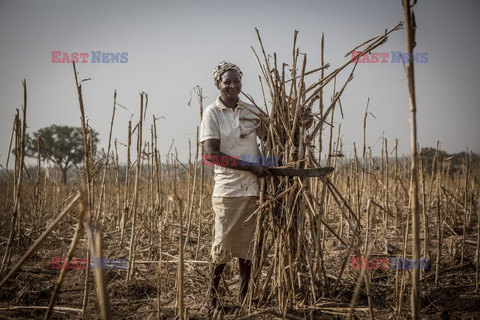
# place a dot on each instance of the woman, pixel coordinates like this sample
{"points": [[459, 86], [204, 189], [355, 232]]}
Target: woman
{"points": [[228, 134]]}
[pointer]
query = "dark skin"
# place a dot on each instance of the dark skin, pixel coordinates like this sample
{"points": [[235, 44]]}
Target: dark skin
{"points": [[230, 87]]}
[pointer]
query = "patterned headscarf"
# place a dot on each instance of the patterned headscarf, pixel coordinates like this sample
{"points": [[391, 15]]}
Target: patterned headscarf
{"points": [[221, 68]]}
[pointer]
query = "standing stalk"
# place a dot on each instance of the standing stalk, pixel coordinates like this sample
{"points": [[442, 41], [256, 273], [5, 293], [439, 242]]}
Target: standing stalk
{"points": [[410, 40], [20, 127], [131, 251], [106, 158]]}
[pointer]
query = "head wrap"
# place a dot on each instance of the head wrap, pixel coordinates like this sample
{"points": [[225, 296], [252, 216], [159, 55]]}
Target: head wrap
{"points": [[221, 68]]}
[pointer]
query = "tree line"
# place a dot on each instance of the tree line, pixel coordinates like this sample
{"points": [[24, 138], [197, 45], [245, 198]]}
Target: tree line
{"points": [[63, 146]]}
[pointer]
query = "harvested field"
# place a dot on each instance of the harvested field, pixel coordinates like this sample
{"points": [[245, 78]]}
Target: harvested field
{"points": [[376, 190]]}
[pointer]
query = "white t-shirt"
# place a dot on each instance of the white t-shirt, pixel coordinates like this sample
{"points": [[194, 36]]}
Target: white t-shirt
{"points": [[227, 125]]}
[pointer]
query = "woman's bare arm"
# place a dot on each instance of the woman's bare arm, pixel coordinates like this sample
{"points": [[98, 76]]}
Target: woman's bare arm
{"points": [[213, 155]]}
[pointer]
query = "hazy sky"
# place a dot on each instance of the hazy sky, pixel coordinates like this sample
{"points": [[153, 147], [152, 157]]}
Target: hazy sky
{"points": [[173, 46]]}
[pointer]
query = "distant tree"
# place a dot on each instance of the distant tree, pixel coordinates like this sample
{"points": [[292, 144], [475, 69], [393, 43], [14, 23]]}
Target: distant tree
{"points": [[462, 158], [61, 144], [457, 159], [429, 153]]}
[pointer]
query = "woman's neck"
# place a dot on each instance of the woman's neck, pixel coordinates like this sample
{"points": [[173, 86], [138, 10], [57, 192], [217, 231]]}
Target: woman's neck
{"points": [[230, 103]]}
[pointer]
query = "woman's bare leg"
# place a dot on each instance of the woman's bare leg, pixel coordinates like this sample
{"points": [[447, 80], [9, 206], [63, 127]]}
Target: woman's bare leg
{"points": [[216, 276], [245, 267]]}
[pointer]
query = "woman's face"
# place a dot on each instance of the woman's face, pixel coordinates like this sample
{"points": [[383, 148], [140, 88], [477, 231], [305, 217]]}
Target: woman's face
{"points": [[230, 85]]}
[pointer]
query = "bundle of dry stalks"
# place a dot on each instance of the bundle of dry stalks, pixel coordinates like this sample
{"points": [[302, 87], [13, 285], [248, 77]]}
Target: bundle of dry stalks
{"points": [[291, 223]]}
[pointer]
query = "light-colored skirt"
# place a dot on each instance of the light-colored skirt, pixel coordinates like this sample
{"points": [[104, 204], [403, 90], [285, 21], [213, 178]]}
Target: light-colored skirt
{"points": [[231, 237]]}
